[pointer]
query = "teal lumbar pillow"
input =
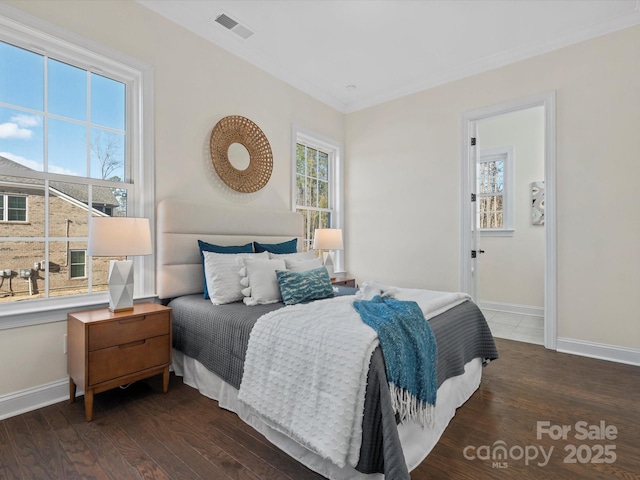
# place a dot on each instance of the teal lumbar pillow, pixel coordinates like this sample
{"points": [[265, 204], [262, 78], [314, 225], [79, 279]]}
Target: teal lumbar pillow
{"points": [[299, 287]]}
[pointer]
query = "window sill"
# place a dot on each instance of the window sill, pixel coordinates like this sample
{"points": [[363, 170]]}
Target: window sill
{"points": [[497, 233], [16, 315]]}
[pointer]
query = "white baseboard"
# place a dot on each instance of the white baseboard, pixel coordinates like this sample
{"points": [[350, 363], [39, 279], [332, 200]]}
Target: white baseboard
{"points": [[600, 351], [512, 308], [33, 398]]}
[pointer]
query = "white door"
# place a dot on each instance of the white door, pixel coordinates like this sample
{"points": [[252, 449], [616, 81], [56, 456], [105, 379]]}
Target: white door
{"points": [[474, 253]]}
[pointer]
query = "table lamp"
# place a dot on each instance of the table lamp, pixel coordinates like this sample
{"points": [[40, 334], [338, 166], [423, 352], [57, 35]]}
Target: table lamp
{"points": [[328, 239], [119, 237]]}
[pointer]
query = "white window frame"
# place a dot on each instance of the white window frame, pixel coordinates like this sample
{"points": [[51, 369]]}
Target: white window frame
{"points": [[505, 154], [4, 215], [23, 30], [71, 277], [336, 179]]}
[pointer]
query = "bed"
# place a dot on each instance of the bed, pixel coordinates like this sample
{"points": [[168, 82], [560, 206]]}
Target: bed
{"points": [[210, 343]]}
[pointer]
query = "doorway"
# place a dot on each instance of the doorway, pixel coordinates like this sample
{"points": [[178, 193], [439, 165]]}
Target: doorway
{"points": [[510, 280], [474, 237]]}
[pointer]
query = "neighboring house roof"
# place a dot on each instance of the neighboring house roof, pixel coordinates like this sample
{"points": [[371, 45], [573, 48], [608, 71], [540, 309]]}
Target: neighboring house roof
{"points": [[101, 195], [5, 162]]}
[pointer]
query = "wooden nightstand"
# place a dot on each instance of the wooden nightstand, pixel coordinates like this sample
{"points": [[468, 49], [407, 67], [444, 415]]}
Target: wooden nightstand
{"points": [[343, 280], [106, 349]]}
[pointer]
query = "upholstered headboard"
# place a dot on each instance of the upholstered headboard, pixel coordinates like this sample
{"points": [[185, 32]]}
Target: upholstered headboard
{"points": [[180, 224]]}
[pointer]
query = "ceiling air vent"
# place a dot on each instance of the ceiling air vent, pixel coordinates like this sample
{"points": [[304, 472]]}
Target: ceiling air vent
{"points": [[230, 24]]}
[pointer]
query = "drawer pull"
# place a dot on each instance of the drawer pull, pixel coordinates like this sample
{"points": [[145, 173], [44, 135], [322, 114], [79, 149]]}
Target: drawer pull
{"points": [[133, 319], [133, 344]]}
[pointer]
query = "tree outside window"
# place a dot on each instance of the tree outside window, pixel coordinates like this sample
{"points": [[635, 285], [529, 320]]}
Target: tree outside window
{"points": [[495, 176], [313, 189]]}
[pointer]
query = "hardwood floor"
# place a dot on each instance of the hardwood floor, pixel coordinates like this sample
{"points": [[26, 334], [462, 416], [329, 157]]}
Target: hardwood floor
{"points": [[141, 433]]}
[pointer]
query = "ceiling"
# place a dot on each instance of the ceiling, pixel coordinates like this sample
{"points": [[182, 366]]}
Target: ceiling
{"points": [[352, 54]]}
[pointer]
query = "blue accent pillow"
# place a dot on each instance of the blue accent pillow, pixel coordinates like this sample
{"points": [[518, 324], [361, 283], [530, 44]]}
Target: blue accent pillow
{"points": [[290, 246], [210, 247], [299, 287]]}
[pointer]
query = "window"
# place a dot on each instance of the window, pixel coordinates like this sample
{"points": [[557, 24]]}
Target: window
{"points": [[13, 208], [73, 146], [317, 185], [312, 187], [495, 184], [77, 263]]}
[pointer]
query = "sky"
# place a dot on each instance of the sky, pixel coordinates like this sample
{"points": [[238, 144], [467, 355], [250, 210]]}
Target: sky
{"points": [[79, 109]]}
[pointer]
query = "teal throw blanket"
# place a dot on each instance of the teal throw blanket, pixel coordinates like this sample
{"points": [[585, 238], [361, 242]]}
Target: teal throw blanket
{"points": [[410, 355]]}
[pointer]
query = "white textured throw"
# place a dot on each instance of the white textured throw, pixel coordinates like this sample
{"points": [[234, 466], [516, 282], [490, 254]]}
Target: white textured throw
{"points": [[306, 368], [305, 375]]}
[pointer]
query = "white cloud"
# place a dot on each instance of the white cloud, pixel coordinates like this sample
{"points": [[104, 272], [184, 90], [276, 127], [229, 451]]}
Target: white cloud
{"points": [[26, 120], [62, 171], [12, 130]]}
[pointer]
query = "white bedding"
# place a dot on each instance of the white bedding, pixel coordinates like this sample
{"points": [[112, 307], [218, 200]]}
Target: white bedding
{"points": [[305, 372], [431, 302]]}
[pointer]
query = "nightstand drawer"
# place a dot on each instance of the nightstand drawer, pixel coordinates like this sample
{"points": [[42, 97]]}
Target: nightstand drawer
{"points": [[114, 362], [343, 282], [110, 334]]}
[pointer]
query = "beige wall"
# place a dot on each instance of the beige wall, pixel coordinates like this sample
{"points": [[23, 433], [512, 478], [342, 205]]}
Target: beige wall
{"points": [[403, 182], [196, 84], [32, 356], [511, 270]]}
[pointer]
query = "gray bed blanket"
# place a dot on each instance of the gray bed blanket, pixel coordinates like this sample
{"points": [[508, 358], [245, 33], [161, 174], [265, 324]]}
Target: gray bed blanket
{"points": [[462, 334], [217, 336]]}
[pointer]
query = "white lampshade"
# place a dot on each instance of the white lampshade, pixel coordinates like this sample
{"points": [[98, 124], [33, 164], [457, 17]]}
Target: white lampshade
{"points": [[119, 237], [328, 239]]}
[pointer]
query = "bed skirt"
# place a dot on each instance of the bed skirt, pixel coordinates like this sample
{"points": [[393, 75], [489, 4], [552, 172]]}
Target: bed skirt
{"points": [[416, 441]]}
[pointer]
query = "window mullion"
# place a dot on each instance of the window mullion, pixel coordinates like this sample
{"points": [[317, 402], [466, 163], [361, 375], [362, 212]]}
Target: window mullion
{"points": [[45, 116], [47, 241], [88, 128]]}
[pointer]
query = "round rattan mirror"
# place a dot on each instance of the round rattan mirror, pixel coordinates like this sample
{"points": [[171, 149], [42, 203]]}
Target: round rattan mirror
{"points": [[236, 129]]}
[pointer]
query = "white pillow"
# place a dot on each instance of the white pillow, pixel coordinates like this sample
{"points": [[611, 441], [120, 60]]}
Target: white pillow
{"points": [[302, 265], [221, 274], [259, 276], [294, 256]]}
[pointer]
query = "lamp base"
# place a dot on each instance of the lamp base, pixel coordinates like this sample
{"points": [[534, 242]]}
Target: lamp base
{"points": [[121, 285], [328, 263], [123, 309]]}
